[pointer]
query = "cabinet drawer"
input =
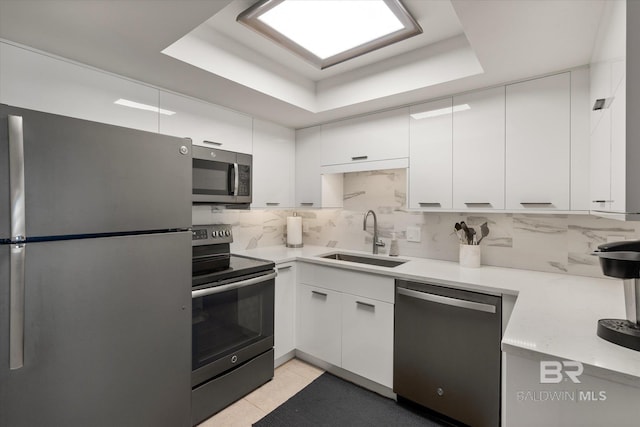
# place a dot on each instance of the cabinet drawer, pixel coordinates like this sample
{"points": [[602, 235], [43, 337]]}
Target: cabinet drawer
{"points": [[367, 285]]}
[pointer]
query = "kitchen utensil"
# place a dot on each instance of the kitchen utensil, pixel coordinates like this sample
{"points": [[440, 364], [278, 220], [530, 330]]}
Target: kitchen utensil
{"points": [[459, 232], [467, 233], [472, 236], [484, 232]]}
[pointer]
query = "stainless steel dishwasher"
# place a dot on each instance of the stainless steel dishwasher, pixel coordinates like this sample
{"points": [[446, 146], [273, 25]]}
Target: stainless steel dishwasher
{"points": [[446, 353]]}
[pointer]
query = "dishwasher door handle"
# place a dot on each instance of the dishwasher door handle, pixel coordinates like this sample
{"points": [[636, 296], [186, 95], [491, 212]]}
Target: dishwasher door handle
{"points": [[488, 308]]}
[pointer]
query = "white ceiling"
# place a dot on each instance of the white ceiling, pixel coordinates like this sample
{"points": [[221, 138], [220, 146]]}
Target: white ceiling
{"points": [[466, 44]]}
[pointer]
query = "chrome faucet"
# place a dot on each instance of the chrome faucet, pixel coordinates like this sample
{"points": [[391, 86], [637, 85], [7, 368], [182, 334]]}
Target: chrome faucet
{"points": [[376, 241]]}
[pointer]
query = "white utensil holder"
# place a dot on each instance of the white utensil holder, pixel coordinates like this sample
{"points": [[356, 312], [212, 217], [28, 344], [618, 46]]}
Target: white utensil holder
{"points": [[470, 256]]}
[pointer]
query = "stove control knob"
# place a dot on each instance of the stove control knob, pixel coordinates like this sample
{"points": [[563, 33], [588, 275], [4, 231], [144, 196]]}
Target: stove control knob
{"points": [[227, 233], [214, 234]]}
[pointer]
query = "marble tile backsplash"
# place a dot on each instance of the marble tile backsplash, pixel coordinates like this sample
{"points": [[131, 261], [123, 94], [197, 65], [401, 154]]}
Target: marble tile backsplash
{"points": [[542, 242]]}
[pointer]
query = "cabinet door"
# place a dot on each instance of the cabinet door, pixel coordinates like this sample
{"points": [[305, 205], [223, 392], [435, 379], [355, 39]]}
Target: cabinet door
{"points": [[308, 159], [538, 140], [600, 140], [208, 125], [273, 165], [478, 150], [319, 325], [619, 138], [285, 300], [600, 163], [39, 82], [379, 136], [367, 338], [430, 163]]}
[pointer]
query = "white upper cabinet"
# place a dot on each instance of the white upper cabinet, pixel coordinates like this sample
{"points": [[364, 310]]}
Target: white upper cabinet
{"points": [[580, 149], [615, 152], [308, 159], [600, 164], [313, 188], [431, 161], [208, 125], [39, 82], [478, 149], [619, 162], [273, 165], [538, 141], [376, 141]]}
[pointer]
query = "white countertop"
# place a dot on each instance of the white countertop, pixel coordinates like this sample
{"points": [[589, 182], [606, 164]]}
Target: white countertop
{"points": [[555, 314]]}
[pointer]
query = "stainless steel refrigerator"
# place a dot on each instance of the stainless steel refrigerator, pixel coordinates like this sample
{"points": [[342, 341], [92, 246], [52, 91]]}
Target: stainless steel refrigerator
{"points": [[95, 274]]}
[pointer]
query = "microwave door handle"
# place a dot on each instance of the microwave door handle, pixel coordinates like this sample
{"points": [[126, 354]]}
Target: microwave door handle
{"points": [[236, 181], [231, 175]]}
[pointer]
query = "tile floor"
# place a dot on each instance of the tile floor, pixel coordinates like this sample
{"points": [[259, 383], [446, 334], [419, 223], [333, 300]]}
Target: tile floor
{"points": [[288, 379]]}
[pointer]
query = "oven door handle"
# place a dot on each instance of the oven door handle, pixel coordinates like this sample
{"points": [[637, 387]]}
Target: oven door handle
{"points": [[224, 288]]}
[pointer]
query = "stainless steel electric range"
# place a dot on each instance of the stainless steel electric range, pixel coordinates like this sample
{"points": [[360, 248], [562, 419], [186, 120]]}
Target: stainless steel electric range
{"points": [[232, 330]]}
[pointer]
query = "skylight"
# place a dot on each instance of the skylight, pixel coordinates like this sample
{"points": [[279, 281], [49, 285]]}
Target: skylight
{"points": [[327, 32]]}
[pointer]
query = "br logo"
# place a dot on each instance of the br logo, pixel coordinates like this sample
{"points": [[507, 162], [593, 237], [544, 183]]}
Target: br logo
{"points": [[553, 372]]}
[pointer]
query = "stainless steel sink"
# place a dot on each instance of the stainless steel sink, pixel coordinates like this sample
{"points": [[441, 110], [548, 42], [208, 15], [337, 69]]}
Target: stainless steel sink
{"points": [[381, 262]]}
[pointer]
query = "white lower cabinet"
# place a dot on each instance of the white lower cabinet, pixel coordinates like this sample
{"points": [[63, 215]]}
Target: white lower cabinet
{"points": [[367, 338], [285, 313], [319, 325], [345, 318]]}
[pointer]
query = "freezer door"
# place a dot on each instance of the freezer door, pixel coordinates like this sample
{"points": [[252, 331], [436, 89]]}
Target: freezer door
{"points": [[107, 333], [83, 177]]}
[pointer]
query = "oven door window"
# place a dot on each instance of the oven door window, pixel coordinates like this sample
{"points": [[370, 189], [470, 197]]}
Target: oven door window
{"points": [[211, 177], [228, 321]]}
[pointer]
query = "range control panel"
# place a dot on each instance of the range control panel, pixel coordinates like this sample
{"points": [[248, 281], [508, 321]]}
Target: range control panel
{"points": [[211, 234]]}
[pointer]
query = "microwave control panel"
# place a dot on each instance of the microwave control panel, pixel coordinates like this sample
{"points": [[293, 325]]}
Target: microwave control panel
{"points": [[244, 180]]}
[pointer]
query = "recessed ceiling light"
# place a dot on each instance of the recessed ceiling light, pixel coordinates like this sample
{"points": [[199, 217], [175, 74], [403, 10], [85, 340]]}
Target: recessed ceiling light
{"points": [[140, 106], [440, 111], [327, 32]]}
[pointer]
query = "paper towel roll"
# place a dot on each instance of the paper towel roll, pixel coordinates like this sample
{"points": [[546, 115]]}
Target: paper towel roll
{"points": [[294, 231]]}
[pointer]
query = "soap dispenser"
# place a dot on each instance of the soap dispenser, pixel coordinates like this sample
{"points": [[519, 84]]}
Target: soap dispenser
{"points": [[393, 249]]}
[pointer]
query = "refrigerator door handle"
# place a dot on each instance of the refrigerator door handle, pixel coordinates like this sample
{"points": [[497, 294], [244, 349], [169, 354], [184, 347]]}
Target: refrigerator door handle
{"points": [[16, 178], [16, 308]]}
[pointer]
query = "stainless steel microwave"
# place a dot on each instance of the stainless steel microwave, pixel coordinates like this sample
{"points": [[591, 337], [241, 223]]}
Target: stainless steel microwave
{"points": [[221, 177]]}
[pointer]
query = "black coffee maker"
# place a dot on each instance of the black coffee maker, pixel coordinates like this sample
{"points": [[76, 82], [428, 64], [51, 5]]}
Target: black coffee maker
{"points": [[622, 260]]}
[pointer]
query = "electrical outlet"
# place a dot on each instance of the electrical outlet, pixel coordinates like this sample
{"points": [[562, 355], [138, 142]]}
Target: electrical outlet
{"points": [[305, 227], [413, 234]]}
